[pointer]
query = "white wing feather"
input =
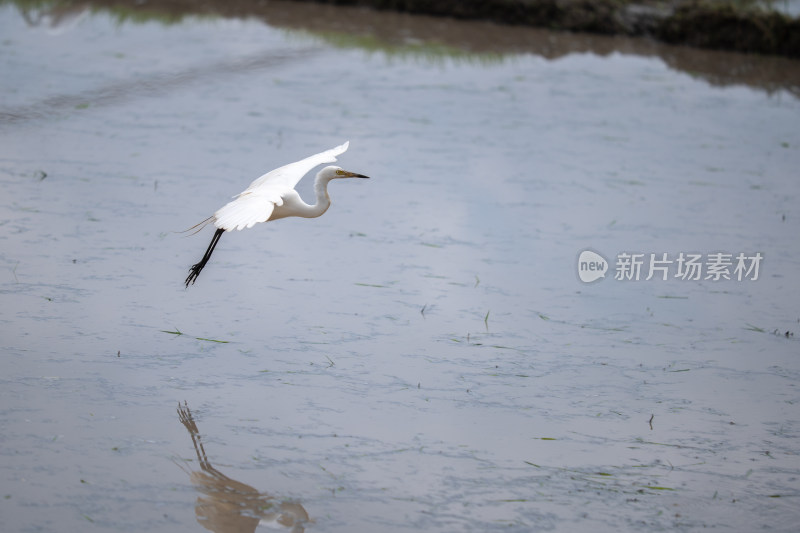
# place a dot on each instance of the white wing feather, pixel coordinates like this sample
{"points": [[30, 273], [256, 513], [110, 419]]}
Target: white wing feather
{"points": [[248, 209], [255, 204]]}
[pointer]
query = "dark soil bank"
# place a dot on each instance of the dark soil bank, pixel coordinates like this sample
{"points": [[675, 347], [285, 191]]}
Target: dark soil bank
{"points": [[740, 26]]}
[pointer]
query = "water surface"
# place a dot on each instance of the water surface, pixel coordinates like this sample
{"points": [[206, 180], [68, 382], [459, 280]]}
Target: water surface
{"points": [[424, 356]]}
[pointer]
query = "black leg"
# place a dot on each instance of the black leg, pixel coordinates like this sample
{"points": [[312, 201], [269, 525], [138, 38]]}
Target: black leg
{"points": [[195, 270]]}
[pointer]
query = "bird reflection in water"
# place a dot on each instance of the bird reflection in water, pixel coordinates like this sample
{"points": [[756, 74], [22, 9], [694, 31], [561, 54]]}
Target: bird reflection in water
{"points": [[226, 505]]}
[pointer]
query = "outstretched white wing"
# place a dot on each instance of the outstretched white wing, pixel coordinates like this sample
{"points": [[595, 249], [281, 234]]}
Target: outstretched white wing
{"points": [[255, 204], [287, 176]]}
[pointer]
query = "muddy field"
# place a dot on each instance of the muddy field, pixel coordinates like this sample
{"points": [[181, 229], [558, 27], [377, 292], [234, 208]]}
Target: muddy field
{"points": [[425, 356]]}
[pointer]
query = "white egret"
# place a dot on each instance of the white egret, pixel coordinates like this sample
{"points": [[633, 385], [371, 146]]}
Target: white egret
{"points": [[272, 196]]}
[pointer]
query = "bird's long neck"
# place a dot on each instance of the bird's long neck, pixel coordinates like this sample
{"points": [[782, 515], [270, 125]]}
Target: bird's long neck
{"points": [[323, 200]]}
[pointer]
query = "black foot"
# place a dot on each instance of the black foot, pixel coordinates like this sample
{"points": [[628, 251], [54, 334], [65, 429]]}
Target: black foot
{"points": [[195, 270], [193, 273]]}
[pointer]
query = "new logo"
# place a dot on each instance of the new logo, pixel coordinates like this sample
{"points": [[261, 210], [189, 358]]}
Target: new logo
{"points": [[591, 266]]}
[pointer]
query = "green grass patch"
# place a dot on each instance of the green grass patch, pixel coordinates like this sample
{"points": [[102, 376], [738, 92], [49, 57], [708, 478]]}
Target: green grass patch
{"points": [[179, 333]]}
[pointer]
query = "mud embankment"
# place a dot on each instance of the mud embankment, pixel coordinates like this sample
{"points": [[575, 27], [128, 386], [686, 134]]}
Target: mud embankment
{"points": [[749, 26], [738, 26]]}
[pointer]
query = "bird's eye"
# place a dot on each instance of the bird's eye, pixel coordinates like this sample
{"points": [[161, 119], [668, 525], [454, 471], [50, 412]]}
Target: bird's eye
{"points": [[340, 172]]}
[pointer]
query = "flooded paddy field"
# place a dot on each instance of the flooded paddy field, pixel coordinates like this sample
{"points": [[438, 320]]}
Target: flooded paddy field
{"points": [[425, 356]]}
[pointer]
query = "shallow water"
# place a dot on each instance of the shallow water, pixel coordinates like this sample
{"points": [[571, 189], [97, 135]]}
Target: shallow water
{"points": [[424, 356]]}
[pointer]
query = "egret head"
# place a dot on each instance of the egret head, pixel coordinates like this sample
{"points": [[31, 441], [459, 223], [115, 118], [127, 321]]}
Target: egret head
{"points": [[338, 172]]}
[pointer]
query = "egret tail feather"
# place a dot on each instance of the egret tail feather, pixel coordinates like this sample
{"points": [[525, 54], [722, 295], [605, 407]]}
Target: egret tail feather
{"points": [[198, 267], [199, 226]]}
